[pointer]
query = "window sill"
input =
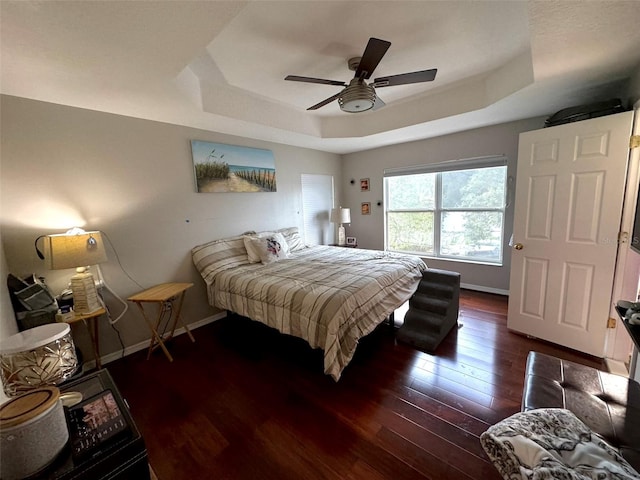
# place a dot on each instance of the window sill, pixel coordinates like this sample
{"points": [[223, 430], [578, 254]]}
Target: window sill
{"points": [[455, 260], [464, 260]]}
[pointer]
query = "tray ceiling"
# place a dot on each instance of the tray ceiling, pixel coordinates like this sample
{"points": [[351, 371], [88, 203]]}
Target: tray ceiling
{"points": [[220, 66]]}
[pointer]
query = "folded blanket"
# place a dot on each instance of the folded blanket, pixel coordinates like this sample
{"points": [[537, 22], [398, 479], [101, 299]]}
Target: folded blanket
{"points": [[552, 443]]}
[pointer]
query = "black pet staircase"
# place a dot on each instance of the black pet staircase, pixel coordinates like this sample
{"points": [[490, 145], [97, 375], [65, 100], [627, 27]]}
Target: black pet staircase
{"points": [[433, 310]]}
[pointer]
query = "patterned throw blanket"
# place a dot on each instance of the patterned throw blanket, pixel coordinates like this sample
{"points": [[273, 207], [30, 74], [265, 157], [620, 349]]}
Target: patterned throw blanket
{"points": [[552, 443], [330, 297]]}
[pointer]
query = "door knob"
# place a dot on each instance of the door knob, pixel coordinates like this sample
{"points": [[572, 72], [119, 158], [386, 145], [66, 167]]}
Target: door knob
{"points": [[518, 246]]}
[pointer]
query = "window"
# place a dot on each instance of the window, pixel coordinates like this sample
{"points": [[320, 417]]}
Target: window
{"points": [[448, 211]]}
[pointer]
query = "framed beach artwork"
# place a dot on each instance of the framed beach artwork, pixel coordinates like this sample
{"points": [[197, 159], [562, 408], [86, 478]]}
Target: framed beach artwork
{"points": [[221, 168]]}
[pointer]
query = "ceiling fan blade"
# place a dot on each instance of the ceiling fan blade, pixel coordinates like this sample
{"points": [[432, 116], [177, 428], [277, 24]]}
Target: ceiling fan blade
{"points": [[324, 102], [371, 57], [406, 78], [296, 78]]}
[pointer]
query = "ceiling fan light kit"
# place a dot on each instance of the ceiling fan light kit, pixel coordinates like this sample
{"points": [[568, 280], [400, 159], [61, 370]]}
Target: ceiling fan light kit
{"points": [[358, 96]]}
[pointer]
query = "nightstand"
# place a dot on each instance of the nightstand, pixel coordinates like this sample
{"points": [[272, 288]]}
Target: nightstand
{"points": [[91, 322], [346, 245], [92, 327], [116, 459]]}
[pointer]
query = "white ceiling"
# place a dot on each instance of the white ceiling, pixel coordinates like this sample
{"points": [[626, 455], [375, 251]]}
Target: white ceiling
{"points": [[220, 66]]}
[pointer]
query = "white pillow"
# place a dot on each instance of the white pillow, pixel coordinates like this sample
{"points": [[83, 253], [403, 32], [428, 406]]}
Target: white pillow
{"points": [[267, 249], [253, 248], [292, 236]]}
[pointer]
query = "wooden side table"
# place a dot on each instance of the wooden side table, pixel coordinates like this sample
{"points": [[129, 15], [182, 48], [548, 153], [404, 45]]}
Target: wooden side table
{"points": [[91, 322], [164, 295]]}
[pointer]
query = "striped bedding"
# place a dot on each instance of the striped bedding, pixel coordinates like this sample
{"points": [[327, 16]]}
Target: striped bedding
{"points": [[329, 296]]}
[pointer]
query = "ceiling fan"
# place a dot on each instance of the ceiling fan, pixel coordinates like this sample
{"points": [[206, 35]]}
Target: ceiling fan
{"points": [[358, 96]]}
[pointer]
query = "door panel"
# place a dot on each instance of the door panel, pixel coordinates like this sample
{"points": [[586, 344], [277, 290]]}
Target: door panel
{"points": [[586, 207], [542, 193], [576, 294], [535, 275], [568, 205]]}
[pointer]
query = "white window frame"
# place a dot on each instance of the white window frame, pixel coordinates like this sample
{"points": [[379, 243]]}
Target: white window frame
{"points": [[438, 210]]}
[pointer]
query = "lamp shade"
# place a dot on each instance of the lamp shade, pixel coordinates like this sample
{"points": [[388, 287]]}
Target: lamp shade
{"points": [[71, 251], [340, 215]]}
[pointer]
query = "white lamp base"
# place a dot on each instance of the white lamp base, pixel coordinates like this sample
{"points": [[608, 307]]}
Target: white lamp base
{"points": [[85, 295], [342, 239]]}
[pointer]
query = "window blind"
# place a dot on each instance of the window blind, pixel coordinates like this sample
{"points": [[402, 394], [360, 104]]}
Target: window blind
{"points": [[448, 166]]}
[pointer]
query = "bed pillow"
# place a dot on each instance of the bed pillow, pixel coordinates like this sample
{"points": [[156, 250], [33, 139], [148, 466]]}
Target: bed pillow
{"points": [[254, 249], [219, 255], [552, 443], [292, 236], [269, 248]]}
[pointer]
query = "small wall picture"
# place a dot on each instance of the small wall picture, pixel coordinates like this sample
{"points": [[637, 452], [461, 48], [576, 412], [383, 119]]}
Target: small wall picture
{"points": [[364, 184], [351, 241], [365, 208]]}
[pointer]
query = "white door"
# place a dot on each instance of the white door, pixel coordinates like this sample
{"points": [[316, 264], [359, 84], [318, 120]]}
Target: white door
{"points": [[569, 191], [317, 202]]}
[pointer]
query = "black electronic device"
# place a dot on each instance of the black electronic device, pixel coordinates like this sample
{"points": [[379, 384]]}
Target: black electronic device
{"points": [[95, 424], [122, 456], [585, 112]]}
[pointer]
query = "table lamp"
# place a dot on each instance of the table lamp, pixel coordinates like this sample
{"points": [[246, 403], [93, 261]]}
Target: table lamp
{"points": [[341, 215], [78, 249]]}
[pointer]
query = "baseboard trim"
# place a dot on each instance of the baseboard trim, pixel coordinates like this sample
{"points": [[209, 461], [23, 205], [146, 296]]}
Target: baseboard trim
{"points": [[145, 344], [205, 321], [616, 366], [480, 288]]}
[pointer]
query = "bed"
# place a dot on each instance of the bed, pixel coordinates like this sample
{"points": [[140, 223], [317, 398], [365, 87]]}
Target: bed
{"points": [[328, 296]]}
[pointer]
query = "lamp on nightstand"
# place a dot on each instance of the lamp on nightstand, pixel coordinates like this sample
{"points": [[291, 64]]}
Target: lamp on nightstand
{"points": [[341, 215], [77, 249]]}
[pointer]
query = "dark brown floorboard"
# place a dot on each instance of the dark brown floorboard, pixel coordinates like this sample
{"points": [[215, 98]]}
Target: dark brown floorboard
{"points": [[245, 402]]}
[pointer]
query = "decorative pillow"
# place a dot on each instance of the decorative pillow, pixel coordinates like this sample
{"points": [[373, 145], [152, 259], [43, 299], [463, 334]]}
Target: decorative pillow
{"points": [[292, 236], [269, 248], [254, 249], [552, 443]]}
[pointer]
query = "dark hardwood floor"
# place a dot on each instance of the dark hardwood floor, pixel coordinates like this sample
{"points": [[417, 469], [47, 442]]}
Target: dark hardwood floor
{"points": [[245, 402]]}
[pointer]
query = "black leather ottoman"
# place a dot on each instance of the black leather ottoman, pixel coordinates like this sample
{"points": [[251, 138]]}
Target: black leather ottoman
{"points": [[608, 404]]}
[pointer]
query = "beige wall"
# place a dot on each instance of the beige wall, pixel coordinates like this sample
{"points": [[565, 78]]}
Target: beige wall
{"points": [[369, 230], [132, 179], [633, 94], [7, 323]]}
